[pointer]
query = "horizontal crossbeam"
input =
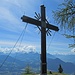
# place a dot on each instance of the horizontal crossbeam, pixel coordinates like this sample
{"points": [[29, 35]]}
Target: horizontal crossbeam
{"points": [[38, 23]]}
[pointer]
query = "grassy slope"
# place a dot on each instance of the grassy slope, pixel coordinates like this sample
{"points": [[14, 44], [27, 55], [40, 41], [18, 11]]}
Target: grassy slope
{"points": [[55, 73]]}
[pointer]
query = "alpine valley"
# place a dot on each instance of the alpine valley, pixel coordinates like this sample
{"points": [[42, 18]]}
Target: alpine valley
{"points": [[16, 63]]}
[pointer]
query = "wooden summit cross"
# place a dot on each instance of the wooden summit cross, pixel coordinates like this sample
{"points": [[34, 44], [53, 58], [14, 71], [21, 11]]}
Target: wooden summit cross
{"points": [[43, 26]]}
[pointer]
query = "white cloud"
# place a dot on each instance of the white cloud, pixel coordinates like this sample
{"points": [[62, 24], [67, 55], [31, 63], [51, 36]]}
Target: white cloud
{"points": [[6, 14], [13, 24], [7, 46], [61, 53], [28, 48], [18, 49], [73, 50]]}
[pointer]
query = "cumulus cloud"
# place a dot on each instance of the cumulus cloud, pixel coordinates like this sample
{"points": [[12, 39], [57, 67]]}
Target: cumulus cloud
{"points": [[24, 49]]}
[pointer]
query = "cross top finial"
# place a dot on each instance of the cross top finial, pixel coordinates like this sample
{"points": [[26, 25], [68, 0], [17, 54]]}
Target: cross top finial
{"points": [[42, 6]]}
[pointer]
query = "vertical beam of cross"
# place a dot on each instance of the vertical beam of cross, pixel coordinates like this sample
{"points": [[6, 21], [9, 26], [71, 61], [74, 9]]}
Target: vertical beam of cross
{"points": [[43, 42]]}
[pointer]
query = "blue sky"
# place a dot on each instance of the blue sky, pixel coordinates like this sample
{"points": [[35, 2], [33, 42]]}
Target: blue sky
{"points": [[11, 27]]}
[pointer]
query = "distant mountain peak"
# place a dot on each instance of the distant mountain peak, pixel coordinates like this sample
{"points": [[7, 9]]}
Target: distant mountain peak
{"points": [[33, 59]]}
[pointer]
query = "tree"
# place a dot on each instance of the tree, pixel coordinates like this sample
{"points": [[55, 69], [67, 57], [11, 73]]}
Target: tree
{"points": [[28, 70], [60, 69], [65, 16]]}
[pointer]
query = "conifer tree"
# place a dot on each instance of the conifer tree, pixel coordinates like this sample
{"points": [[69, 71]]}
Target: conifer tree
{"points": [[65, 16], [28, 70]]}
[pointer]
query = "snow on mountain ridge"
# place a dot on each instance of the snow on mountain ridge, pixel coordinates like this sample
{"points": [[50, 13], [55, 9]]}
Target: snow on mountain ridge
{"points": [[18, 49]]}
